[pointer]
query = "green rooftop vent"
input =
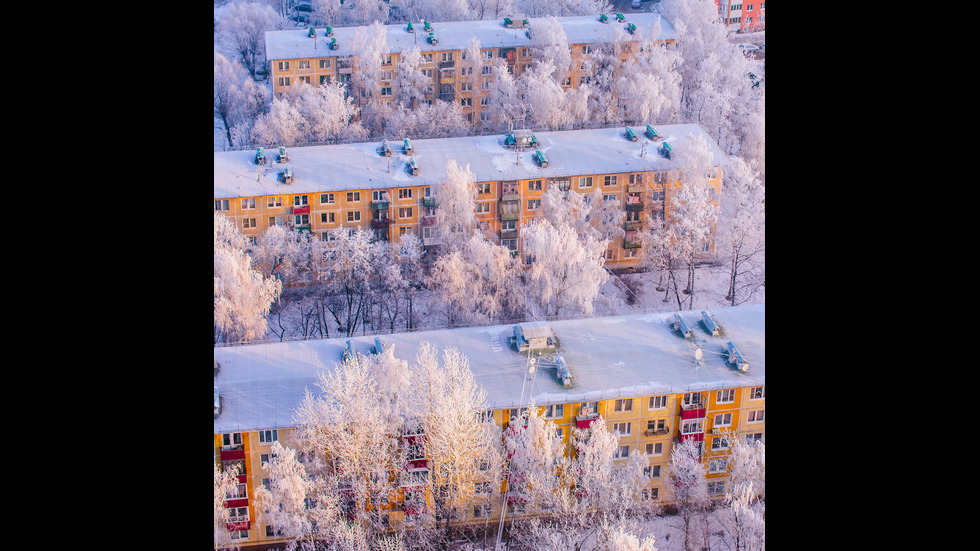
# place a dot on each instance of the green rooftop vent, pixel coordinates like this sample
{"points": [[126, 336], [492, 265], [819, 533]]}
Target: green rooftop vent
{"points": [[312, 33], [542, 160], [665, 150], [427, 25], [411, 29], [630, 135], [413, 167], [652, 133], [408, 146], [333, 44], [328, 31], [433, 39], [283, 155], [603, 18], [260, 156], [620, 17], [631, 28]]}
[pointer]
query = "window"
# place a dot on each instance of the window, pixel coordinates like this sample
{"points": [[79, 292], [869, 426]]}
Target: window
{"points": [[623, 405], [585, 182], [554, 411], [650, 494], [406, 230], [757, 393], [757, 416], [609, 180], [610, 198], [623, 429], [534, 185], [283, 81], [354, 216], [485, 416], [275, 221], [283, 65], [324, 63], [221, 204], [302, 219], [718, 465], [274, 201], [248, 223], [622, 452], [487, 70], [481, 488], [658, 402], [326, 198], [231, 439], [248, 203], [657, 425], [692, 426], [723, 420], [483, 189], [386, 92], [405, 193], [753, 438], [719, 443], [327, 217], [631, 253], [656, 448], [716, 488], [466, 102], [304, 64], [726, 396], [405, 212], [482, 208], [481, 511], [692, 399], [533, 204], [300, 200]]}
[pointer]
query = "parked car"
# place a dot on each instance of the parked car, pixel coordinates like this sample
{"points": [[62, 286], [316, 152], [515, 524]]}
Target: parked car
{"points": [[635, 4]]}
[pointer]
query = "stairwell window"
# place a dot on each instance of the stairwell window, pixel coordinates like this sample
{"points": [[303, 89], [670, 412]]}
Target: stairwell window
{"points": [[268, 436], [623, 405]]}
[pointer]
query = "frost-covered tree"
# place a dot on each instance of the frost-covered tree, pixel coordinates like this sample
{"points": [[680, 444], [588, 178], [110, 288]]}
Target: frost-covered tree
{"points": [[242, 296], [241, 32], [479, 282], [741, 237], [566, 269], [237, 99], [648, 86], [225, 484], [347, 276], [282, 125], [410, 83], [455, 205], [687, 484], [327, 113], [459, 447], [347, 427], [550, 46], [536, 460], [282, 503], [280, 251], [694, 212]]}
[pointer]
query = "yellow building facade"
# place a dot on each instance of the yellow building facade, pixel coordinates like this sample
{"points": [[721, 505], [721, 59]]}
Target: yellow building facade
{"points": [[637, 393], [393, 194], [324, 54]]}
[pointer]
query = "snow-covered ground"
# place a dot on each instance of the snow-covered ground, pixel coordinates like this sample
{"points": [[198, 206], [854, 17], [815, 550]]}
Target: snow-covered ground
{"points": [[710, 288]]}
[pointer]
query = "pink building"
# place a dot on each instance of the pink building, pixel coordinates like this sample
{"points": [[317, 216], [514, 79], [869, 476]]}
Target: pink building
{"points": [[743, 15]]}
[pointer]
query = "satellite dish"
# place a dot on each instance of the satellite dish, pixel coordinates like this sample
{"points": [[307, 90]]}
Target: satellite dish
{"points": [[698, 354]]}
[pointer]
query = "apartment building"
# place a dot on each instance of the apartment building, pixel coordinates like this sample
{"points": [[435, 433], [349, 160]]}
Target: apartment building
{"points": [[387, 186], [324, 54], [742, 15], [655, 379]]}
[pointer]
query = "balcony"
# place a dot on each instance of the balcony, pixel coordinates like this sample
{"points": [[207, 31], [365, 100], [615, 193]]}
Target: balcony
{"points": [[429, 201], [233, 454], [633, 225], [656, 432], [380, 223], [585, 420], [635, 188], [508, 234], [429, 220], [380, 204], [301, 210], [633, 203]]}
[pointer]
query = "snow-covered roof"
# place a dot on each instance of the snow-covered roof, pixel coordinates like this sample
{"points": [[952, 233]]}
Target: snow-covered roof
{"points": [[456, 35], [609, 357], [356, 166]]}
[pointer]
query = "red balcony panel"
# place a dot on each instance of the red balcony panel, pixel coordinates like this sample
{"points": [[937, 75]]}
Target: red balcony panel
{"points": [[243, 479], [236, 526], [418, 464], [697, 437], [233, 455], [413, 509], [693, 413], [301, 210], [238, 502], [584, 423]]}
